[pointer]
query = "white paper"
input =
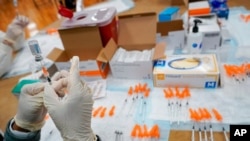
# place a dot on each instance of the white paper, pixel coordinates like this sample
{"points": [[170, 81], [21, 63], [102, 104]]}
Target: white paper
{"points": [[98, 88]]}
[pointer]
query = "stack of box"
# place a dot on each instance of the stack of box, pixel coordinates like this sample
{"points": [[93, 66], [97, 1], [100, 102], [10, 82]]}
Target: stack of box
{"points": [[85, 35], [136, 32], [209, 26]]}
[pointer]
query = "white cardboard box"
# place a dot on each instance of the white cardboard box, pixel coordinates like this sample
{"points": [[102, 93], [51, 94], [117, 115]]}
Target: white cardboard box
{"points": [[137, 32], [133, 70], [195, 71]]}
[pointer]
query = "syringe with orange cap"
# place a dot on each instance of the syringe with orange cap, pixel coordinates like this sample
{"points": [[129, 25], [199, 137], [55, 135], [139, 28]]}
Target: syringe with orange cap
{"points": [[36, 51]]}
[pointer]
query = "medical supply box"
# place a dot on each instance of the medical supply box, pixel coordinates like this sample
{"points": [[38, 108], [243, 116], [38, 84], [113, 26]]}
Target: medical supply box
{"points": [[169, 14], [85, 35], [103, 18], [137, 32], [198, 7], [194, 71]]}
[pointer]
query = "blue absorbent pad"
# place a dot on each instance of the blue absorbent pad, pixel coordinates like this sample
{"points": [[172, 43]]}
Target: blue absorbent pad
{"points": [[18, 87]]}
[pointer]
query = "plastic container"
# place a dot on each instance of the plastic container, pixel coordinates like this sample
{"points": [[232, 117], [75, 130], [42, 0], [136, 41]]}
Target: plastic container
{"points": [[220, 8], [194, 39], [104, 18], [217, 3]]}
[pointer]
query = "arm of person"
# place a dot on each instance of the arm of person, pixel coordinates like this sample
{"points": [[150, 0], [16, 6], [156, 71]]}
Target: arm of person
{"points": [[27, 124], [16, 133], [5, 57], [30, 117], [72, 113]]}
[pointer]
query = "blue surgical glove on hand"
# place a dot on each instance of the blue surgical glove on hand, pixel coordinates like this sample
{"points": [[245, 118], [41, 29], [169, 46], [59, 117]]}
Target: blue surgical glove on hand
{"points": [[72, 113]]}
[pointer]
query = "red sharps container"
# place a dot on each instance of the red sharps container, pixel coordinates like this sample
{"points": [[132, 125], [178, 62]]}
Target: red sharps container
{"points": [[104, 18]]}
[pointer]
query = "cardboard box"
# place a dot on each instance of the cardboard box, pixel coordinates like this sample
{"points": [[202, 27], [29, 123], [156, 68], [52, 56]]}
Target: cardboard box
{"points": [[136, 32], [165, 27], [174, 30], [198, 7], [84, 42], [194, 71], [85, 35], [177, 2], [104, 18]]}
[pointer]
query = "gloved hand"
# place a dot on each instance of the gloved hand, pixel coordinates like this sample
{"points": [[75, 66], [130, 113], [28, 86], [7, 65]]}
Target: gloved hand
{"points": [[15, 36], [15, 29], [59, 83], [59, 75], [72, 114], [31, 111]]}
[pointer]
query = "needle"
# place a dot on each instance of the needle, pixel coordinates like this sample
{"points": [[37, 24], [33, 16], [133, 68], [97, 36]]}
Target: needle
{"points": [[193, 129], [205, 133], [200, 137], [211, 133], [225, 134]]}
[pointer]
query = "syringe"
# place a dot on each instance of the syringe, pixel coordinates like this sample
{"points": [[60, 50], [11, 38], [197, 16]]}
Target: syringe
{"points": [[46, 74], [225, 134], [15, 4], [36, 51]]}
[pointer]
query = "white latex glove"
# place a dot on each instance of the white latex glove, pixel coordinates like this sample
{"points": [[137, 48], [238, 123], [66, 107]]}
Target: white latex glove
{"points": [[16, 28], [59, 83], [72, 114], [31, 111], [59, 75], [15, 35]]}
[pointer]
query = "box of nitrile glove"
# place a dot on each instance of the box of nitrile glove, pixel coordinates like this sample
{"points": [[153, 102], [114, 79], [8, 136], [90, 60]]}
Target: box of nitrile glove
{"points": [[194, 71]]}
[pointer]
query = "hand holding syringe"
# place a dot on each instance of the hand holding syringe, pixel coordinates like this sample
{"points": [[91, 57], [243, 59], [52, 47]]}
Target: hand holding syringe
{"points": [[36, 51]]}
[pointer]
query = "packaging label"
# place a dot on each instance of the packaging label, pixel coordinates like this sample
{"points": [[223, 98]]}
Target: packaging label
{"points": [[160, 76], [160, 63], [210, 84]]}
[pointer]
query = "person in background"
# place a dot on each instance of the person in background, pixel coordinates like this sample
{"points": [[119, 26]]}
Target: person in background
{"points": [[71, 111], [70, 4], [12, 40]]}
